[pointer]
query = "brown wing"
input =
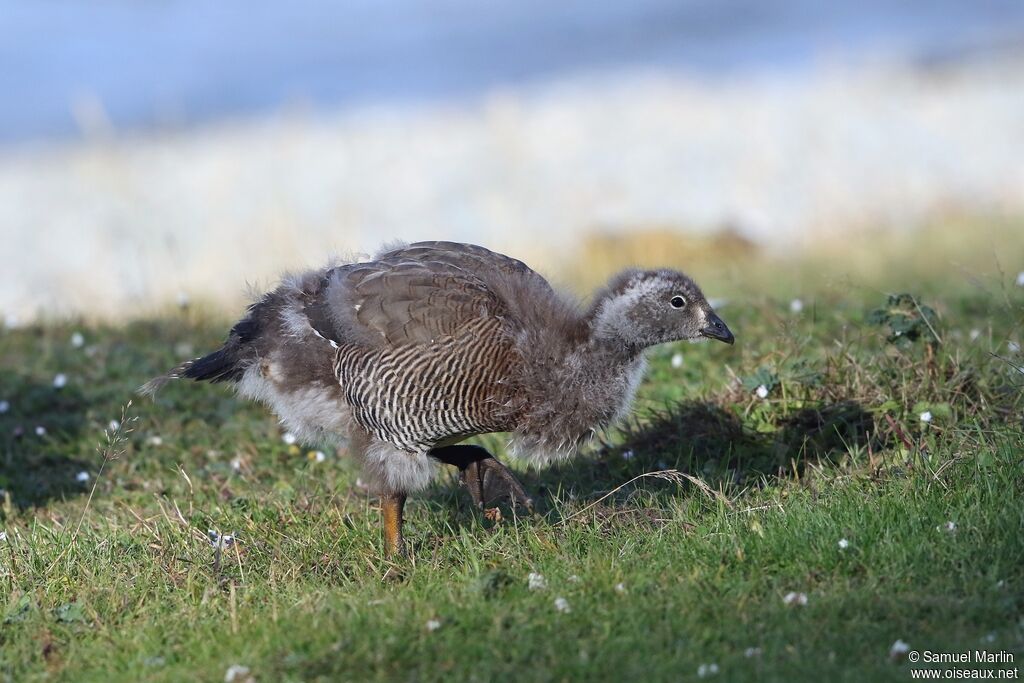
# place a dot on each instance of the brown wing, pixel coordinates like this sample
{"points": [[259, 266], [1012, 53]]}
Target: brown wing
{"points": [[468, 258], [412, 295], [424, 353], [379, 304]]}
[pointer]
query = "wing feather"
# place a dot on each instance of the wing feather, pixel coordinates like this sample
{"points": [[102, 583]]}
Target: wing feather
{"points": [[424, 340], [411, 295]]}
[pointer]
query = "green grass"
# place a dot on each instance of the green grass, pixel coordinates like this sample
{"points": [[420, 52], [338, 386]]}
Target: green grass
{"points": [[127, 586]]}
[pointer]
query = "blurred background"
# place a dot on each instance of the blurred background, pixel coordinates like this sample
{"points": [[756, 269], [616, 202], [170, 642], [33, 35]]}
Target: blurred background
{"points": [[162, 151]]}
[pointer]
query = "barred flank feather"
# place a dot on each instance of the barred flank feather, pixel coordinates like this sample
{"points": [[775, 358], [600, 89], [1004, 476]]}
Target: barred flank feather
{"points": [[416, 396]]}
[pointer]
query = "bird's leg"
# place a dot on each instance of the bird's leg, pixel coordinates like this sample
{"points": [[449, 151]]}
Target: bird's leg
{"points": [[485, 477], [391, 505]]}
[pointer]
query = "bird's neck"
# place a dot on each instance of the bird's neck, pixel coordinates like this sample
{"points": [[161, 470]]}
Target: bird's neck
{"points": [[609, 331], [584, 387]]}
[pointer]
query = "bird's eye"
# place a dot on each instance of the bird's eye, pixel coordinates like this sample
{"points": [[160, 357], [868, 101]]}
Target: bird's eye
{"points": [[677, 301]]}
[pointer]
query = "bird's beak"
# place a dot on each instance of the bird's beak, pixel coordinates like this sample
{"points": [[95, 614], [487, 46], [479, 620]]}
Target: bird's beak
{"points": [[714, 328]]}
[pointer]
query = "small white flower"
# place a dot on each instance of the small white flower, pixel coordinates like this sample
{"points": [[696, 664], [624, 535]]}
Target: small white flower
{"points": [[705, 670], [289, 438], [974, 334], [182, 299], [926, 416], [762, 392], [627, 454], [620, 588], [3, 535], [898, 650], [218, 540], [60, 380], [752, 652], [4, 406], [156, 440], [1013, 346], [1020, 279], [949, 527], [77, 340], [843, 544], [562, 605], [113, 425], [319, 456], [536, 581], [677, 360], [40, 430], [82, 477], [433, 624], [237, 673], [796, 305], [794, 598], [236, 464]]}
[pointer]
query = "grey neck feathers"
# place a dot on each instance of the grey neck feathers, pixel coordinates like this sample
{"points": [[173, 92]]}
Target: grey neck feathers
{"points": [[610, 328]]}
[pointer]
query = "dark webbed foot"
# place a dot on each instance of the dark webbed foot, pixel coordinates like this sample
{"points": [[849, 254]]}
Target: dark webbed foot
{"points": [[487, 479]]}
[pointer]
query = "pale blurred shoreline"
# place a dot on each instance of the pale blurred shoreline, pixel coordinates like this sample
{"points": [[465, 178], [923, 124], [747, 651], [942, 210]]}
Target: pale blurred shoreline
{"points": [[118, 225]]}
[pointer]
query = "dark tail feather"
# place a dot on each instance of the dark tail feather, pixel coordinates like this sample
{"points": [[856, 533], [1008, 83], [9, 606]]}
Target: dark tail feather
{"points": [[228, 363]]}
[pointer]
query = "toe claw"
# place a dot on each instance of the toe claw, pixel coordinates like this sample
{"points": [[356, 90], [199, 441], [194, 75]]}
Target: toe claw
{"points": [[496, 482]]}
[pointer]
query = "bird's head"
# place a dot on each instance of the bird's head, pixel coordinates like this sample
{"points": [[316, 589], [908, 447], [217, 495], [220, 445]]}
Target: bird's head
{"points": [[642, 308]]}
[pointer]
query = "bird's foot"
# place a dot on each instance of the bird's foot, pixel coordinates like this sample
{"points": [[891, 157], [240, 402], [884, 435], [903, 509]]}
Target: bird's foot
{"points": [[487, 479], [489, 482]]}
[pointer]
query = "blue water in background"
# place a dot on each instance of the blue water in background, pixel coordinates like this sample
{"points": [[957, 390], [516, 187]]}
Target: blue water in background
{"points": [[171, 63]]}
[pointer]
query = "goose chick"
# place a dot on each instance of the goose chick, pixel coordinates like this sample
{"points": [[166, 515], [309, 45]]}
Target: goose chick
{"points": [[430, 343]]}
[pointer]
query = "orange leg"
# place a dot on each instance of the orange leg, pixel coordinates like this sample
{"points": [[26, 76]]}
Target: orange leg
{"points": [[392, 505]]}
